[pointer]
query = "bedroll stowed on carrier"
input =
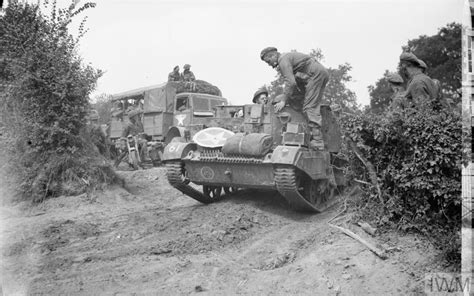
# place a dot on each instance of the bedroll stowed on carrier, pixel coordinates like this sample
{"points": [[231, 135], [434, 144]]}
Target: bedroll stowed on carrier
{"points": [[267, 150]]}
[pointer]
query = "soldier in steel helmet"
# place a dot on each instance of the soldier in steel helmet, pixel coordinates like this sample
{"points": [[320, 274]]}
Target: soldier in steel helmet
{"points": [[305, 80], [187, 75], [260, 96]]}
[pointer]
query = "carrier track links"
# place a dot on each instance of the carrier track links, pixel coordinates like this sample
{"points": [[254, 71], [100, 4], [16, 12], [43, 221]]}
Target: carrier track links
{"points": [[288, 186], [175, 175]]}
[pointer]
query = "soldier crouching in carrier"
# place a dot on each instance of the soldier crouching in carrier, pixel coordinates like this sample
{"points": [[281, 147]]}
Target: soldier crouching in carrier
{"points": [[260, 96], [305, 80]]}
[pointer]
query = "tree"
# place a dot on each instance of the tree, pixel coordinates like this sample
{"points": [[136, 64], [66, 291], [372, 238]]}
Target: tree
{"points": [[45, 89], [380, 94], [441, 53], [336, 90], [103, 105]]}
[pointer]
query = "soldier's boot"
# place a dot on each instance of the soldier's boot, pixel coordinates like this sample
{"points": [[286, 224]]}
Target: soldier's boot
{"points": [[317, 142]]}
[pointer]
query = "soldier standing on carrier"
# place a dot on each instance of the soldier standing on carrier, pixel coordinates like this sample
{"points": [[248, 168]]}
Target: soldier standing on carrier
{"points": [[174, 76], [305, 80], [187, 75]]}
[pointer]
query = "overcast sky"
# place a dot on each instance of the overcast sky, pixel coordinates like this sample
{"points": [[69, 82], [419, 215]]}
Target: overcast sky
{"points": [[137, 43]]}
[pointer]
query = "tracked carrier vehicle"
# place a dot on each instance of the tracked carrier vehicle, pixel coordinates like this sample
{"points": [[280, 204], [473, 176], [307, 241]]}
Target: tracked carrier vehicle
{"points": [[306, 178]]}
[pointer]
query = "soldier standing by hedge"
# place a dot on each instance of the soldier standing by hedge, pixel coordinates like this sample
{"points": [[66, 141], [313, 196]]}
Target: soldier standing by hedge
{"points": [[421, 89], [305, 81], [397, 100]]}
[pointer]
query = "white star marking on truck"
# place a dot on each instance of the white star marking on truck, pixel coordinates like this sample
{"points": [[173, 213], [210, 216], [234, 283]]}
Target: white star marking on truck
{"points": [[180, 118]]}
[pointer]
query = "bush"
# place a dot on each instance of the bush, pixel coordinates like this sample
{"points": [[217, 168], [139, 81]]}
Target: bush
{"points": [[45, 100], [418, 157], [51, 174]]}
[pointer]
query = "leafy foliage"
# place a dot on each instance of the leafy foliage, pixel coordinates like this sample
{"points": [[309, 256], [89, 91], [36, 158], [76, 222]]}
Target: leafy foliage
{"points": [[380, 94], [417, 155], [45, 96], [336, 90]]}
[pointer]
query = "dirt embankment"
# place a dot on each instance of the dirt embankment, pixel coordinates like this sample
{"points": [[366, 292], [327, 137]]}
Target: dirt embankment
{"points": [[153, 240]]}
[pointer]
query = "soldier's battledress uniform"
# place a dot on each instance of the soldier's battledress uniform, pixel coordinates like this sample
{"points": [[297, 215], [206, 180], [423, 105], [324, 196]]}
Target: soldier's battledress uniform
{"points": [[188, 75], [421, 90], [134, 129], [305, 80], [174, 76]]}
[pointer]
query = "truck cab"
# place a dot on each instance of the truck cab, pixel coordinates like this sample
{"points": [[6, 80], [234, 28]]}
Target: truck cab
{"points": [[166, 113], [194, 108]]}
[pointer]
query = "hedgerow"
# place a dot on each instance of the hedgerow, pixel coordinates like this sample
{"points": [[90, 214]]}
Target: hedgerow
{"points": [[45, 100], [417, 156]]}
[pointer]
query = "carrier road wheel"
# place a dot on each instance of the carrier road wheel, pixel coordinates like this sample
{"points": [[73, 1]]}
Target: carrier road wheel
{"points": [[318, 192], [213, 192]]}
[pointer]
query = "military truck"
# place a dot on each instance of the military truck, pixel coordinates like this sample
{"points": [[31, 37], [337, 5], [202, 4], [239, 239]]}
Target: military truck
{"points": [[306, 178], [167, 114]]}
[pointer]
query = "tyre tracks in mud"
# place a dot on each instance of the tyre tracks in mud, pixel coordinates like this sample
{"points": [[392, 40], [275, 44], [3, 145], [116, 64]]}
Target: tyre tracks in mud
{"points": [[156, 240]]}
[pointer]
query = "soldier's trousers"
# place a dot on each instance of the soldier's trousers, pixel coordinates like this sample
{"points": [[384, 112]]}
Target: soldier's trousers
{"points": [[311, 92]]}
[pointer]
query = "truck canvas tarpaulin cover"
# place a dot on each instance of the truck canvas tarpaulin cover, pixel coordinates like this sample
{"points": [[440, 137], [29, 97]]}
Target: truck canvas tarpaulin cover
{"points": [[158, 110]]}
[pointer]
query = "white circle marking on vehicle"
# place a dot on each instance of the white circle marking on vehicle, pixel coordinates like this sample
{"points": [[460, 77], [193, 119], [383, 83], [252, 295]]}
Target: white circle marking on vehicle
{"points": [[207, 173]]}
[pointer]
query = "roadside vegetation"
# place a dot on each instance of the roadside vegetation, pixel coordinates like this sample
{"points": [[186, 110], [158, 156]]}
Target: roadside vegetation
{"points": [[45, 89]]}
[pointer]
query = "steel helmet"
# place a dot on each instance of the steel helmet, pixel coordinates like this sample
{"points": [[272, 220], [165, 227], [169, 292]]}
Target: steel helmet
{"points": [[258, 93]]}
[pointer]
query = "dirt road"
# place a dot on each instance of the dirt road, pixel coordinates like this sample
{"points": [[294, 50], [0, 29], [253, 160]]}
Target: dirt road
{"points": [[153, 240]]}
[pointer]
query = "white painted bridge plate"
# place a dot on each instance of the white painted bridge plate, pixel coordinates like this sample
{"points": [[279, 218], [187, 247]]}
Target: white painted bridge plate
{"points": [[212, 137]]}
